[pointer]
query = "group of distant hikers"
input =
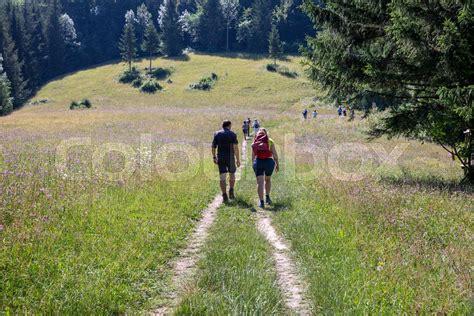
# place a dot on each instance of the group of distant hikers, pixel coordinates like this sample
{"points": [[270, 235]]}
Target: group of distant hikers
{"points": [[226, 155], [305, 114], [341, 111]]}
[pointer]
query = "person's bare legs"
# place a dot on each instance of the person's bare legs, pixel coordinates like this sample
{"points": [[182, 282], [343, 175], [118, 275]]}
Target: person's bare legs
{"points": [[268, 185], [260, 186], [232, 184], [232, 181], [223, 183]]}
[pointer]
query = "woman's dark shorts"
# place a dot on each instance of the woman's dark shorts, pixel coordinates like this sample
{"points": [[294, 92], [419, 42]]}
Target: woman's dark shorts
{"points": [[264, 167]]}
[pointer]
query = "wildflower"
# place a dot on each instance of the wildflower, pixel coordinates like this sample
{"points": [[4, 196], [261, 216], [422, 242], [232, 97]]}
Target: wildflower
{"points": [[380, 266]]}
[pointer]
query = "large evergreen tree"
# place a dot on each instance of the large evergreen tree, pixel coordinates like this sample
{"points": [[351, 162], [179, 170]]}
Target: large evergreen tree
{"points": [[416, 57], [69, 35], [12, 65], [211, 26], [56, 48], [143, 20], [274, 44], [255, 26], [172, 40], [34, 46], [128, 41], [6, 105], [230, 10], [151, 42]]}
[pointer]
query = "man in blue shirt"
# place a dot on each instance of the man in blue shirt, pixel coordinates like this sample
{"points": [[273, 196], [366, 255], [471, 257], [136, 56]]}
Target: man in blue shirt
{"points": [[226, 145]]}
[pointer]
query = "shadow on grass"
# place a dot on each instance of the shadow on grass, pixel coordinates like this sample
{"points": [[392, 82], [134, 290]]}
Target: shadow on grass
{"points": [[241, 55], [430, 183], [242, 203], [279, 206], [182, 57]]}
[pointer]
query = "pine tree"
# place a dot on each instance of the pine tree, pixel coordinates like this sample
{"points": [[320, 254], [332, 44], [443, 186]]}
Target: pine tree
{"points": [[417, 57], [211, 26], [128, 42], [6, 105], [261, 25], [172, 40], [274, 47], [12, 66], [143, 19], [151, 42], [56, 47], [34, 44], [230, 10], [72, 46], [255, 26]]}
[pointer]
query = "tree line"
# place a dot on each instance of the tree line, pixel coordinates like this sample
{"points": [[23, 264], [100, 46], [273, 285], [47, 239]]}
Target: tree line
{"points": [[42, 39]]}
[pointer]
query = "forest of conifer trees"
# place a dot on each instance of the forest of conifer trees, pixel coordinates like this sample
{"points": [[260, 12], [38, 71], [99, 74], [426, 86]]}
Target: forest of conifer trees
{"points": [[42, 39]]}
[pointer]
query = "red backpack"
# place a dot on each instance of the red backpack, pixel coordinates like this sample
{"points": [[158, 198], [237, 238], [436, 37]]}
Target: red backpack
{"points": [[261, 146]]}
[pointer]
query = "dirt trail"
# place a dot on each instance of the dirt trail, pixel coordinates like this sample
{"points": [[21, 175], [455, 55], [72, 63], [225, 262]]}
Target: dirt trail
{"points": [[184, 266], [291, 285]]}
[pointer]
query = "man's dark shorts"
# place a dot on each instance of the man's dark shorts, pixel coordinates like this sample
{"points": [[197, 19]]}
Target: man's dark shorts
{"points": [[226, 166], [264, 167]]}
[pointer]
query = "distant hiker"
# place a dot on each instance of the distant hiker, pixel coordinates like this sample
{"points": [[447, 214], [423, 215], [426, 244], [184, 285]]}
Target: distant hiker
{"points": [[352, 115], [315, 114], [245, 128], [344, 111], [265, 161], [305, 114], [227, 158], [256, 126], [339, 110], [249, 124]]}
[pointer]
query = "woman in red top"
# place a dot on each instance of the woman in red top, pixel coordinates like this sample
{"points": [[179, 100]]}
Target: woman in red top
{"points": [[265, 161]]}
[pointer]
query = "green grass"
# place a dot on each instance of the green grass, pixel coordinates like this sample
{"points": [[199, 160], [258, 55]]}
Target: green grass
{"points": [[376, 246], [236, 276], [398, 241], [108, 258]]}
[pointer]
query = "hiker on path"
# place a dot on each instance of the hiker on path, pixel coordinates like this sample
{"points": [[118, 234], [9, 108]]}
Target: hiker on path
{"points": [[227, 159], [315, 114], [339, 110], [305, 114], [265, 161], [245, 128], [249, 124], [352, 114], [344, 111], [256, 126]]}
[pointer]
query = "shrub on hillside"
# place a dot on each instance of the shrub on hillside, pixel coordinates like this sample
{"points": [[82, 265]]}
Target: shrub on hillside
{"points": [[205, 83], [137, 83], [282, 70], [161, 73], [74, 105], [130, 75], [84, 104], [272, 67], [151, 86]]}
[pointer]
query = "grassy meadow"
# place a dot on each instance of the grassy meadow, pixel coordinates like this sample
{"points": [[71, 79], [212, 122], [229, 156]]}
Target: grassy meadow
{"points": [[95, 204]]}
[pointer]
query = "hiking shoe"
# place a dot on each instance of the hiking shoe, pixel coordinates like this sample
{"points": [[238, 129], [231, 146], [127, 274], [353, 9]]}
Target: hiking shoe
{"points": [[262, 204], [231, 194], [268, 200], [225, 198]]}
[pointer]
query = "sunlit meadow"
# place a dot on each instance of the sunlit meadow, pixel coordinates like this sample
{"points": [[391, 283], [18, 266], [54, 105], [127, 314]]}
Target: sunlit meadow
{"points": [[96, 203]]}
